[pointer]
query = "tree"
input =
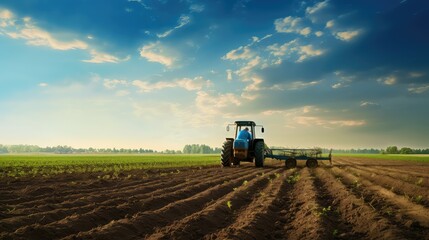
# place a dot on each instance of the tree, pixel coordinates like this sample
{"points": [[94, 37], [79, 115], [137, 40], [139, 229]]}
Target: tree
{"points": [[392, 150], [406, 150]]}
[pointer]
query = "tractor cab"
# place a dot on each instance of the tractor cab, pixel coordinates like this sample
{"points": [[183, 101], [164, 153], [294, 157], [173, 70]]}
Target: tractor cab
{"points": [[243, 146]]}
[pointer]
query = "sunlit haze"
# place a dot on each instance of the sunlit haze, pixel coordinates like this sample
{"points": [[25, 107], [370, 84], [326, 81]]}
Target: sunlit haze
{"points": [[160, 74]]}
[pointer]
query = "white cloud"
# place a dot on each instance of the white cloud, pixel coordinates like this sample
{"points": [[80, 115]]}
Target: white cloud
{"points": [[303, 52], [113, 83], [229, 74], [368, 104], [183, 20], [305, 31], [319, 121], [43, 84], [248, 67], [196, 8], [254, 86], [6, 19], [6, 14], [145, 86], [284, 49], [347, 35], [330, 24], [39, 37], [311, 116], [318, 33], [291, 25], [213, 104], [99, 57], [389, 80], [239, 53], [308, 51], [155, 52], [197, 83], [338, 85], [258, 40], [27, 30], [193, 84], [317, 7], [343, 81], [297, 85], [418, 90]]}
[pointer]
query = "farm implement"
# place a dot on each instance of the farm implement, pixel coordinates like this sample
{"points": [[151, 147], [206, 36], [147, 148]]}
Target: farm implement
{"points": [[252, 149]]}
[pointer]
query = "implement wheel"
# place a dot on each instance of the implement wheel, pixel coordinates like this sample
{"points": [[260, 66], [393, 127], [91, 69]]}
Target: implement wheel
{"points": [[311, 163], [259, 154], [227, 155], [290, 163]]}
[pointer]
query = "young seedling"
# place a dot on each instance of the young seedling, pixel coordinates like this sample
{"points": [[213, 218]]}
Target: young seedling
{"points": [[418, 199], [229, 204], [419, 182]]}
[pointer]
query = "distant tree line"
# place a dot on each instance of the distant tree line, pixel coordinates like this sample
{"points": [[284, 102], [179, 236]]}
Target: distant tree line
{"points": [[404, 150], [188, 149], [355, 151], [388, 150], [67, 149], [200, 149]]}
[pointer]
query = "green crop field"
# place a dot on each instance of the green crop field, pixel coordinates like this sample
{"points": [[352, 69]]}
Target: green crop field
{"points": [[403, 157], [46, 165]]}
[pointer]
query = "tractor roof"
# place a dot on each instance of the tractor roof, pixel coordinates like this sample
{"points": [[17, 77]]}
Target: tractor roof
{"points": [[245, 123]]}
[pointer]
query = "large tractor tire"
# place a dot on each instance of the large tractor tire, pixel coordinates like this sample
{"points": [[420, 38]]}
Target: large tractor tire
{"points": [[227, 156], [259, 154]]}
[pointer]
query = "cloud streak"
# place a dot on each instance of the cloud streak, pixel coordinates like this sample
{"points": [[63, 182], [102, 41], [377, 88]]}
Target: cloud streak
{"points": [[183, 21], [27, 30], [156, 52]]}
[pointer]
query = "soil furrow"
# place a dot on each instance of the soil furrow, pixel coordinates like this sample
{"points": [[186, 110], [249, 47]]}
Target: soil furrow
{"points": [[416, 181], [302, 218], [215, 216], [257, 220], [364, 221], [148, 221], [331, 213], [77, 192], [411, 218], [82, 200], [418, 170], [396, 186], [103, 215], [109, 201]]}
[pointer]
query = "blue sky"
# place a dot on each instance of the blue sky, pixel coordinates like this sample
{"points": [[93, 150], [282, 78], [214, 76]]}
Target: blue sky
{"points": [[161, 74]]}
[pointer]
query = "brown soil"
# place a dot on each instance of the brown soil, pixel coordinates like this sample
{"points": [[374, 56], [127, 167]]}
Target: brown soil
{"points": [[354, 199]]}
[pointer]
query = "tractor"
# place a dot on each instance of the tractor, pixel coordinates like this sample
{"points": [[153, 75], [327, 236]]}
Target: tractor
{"points": [[236, 150]]}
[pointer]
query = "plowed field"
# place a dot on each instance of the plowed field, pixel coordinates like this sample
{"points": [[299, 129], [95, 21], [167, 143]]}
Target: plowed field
{"points": [[354, 199]]}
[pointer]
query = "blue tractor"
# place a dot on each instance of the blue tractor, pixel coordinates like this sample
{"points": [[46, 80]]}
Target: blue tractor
{"points": [[239, 149]]}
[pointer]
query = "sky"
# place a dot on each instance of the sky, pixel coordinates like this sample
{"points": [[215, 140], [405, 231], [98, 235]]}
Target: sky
{"points": [[161, 74]]}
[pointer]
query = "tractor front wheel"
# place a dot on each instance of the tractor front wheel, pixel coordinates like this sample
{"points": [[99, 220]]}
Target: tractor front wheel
{"points": [[259, 154], [227, 155]]}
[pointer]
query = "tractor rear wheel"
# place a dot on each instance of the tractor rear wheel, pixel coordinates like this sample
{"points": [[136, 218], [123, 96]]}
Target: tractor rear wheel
{"points": [[259, 154], [227, 155], [311, 163], [290, 163]]}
